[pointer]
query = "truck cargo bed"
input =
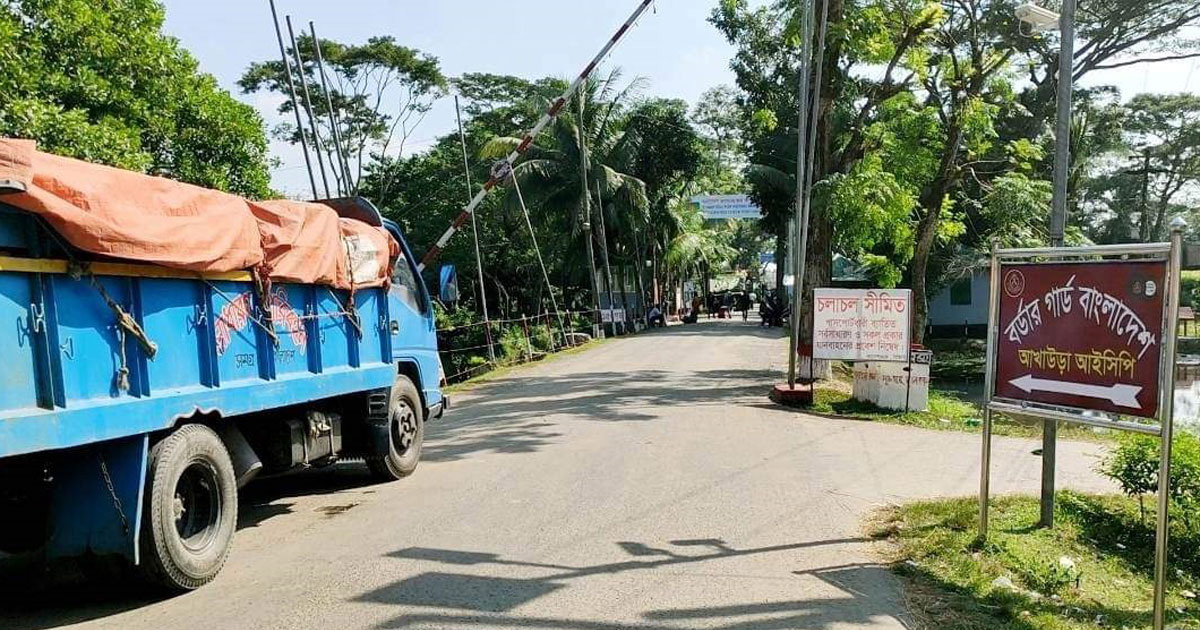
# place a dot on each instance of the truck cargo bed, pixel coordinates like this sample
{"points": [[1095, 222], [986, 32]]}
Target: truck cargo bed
{"points": [[62, 357]]}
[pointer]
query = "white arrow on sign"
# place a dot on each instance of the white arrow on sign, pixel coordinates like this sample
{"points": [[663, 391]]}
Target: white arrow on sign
{"points": [[1119, 395]]}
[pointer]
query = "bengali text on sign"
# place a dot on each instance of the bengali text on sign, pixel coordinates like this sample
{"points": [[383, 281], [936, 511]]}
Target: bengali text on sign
{"points": [[861, 325], [1084, 335]]}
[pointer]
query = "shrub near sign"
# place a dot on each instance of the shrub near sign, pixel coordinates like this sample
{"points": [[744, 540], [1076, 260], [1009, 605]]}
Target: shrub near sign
{"points": [[1086, 335]]}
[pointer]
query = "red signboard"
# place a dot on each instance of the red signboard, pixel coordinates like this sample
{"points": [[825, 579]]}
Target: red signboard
{"points": [[1085, 335]]}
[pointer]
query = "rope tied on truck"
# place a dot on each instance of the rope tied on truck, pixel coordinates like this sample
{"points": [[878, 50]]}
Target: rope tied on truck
{"points": [[126, 324]]}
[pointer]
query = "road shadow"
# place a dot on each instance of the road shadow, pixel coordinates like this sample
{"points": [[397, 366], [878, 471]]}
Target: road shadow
{"points": [[454, 595], [35, 595], [520, 414]]}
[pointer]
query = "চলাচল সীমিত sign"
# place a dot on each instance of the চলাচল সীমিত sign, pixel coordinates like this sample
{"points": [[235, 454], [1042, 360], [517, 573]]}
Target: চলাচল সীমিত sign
{"points": [[1086, 335], [861, 325]]}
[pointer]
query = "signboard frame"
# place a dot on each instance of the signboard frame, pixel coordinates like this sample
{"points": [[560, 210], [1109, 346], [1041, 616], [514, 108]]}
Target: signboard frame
{"points": [[1171, 253]]}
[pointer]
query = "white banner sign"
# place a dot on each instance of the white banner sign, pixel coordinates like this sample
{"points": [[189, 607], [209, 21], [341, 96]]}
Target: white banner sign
{"points": [[721, 207], [612, 315], [861, 325]]}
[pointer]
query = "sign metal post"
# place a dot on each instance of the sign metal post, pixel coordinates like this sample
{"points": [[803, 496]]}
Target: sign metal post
{"points": [[1087, 335]]}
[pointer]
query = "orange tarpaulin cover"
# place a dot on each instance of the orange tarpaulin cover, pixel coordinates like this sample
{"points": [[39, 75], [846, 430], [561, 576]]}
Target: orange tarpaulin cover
{"points": [[122, 214]]}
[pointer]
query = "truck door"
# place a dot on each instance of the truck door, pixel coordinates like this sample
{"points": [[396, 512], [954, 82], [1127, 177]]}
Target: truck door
{"points": [[411, 323]]}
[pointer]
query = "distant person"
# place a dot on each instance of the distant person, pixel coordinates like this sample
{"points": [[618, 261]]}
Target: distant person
{"points": [[656, 318], [744, 306]]}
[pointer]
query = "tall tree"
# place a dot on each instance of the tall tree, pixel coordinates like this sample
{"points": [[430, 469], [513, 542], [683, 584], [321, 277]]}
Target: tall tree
{"points": [[884, 35], [718, 115], [101, 82], [1158, 170], [380, 92]]}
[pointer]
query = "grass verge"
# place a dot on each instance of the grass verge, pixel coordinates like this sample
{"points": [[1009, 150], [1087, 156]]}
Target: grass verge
{"points": [[1093, 570], [946, 412]]}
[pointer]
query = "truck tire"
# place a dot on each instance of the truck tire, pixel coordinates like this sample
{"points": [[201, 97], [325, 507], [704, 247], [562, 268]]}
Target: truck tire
{"points": [[401, 434], [191, 509]]}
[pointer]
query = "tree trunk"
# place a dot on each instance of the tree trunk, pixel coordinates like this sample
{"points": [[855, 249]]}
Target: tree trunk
{"points": [[621, 273], [708, 289], [932, 200], [639, 266], [780, 257]]}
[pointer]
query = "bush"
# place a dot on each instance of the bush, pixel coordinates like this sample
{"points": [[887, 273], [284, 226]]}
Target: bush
{"points": [[513, 346], [1189, 288], [1134, 463], [542, 338], [1048, 577]]}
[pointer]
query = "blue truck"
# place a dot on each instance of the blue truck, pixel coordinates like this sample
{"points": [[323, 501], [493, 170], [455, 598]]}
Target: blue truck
{"points": [[136, 400]]}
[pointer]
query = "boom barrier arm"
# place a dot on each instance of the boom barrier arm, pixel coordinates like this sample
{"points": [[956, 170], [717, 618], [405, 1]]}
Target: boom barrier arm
{"points": [[500, 174]]}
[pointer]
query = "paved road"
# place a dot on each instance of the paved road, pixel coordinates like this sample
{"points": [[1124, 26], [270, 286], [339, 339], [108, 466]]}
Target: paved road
{"points": [[645, 483]]}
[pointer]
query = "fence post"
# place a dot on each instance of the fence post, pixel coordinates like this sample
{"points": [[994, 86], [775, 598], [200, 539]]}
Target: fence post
{"points": [[487, 333], [528, 342]]}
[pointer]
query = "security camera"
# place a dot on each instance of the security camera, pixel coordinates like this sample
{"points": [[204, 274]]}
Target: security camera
{"points": [[1038, 18]]}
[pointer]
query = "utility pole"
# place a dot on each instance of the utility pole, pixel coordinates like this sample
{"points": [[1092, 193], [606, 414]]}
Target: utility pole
{"points": [[800, 220], [1058, 220], [487, 322], [1144, 216], [597, 324]]}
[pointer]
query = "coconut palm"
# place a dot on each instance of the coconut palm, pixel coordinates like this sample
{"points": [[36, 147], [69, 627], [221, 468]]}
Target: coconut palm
{"points": [[550, 177], [695, 248]]}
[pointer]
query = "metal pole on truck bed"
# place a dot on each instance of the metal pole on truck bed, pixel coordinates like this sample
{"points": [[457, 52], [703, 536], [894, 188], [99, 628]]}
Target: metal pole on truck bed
{"points": [[312, 120], [287, 70], [500, 173], [334, 123]]}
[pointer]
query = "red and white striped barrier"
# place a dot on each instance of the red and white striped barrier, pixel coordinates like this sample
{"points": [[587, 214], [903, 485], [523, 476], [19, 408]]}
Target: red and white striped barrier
{"points": [[500, 174]]}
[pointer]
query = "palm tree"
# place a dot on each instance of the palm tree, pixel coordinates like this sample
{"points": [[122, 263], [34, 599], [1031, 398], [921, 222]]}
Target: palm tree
{"points": [[550, 177], [695, 248]]}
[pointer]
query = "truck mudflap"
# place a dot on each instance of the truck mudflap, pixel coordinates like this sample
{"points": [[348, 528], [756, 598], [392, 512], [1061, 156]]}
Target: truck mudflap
{"points": [[96, 499]]}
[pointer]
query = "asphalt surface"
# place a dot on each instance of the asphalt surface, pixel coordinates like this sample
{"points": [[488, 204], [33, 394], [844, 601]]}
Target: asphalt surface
{"points": [[644, 483]]}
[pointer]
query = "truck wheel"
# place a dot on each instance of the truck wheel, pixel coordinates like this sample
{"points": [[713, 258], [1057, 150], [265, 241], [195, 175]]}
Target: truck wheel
{"points": [[191, 510], [397, 455]]}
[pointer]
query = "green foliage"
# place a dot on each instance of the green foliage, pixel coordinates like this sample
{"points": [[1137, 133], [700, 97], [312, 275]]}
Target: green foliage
{"points": [[1017, 206], [1050, 576], [873, 213], [1189, 284], [100, 82], [1134, 465], [1152, 144], [379, 90], [512, 345]]}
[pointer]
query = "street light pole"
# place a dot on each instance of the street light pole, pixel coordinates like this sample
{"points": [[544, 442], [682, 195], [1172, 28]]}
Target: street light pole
{"points": [[1058, 218]]}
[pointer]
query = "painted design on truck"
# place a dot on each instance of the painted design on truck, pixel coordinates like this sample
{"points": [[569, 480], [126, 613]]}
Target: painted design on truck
{"points": [[236, 314]]}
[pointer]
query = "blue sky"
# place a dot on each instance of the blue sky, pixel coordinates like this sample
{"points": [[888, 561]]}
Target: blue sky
{"points": [[673, 47]]}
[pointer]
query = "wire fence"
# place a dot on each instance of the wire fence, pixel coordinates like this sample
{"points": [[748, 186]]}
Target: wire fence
{"points": [[469, 350]]}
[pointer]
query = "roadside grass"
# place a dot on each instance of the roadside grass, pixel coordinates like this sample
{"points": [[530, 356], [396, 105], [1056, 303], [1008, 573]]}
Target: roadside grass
{"points": [[1016, 580], [947, 412]]}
